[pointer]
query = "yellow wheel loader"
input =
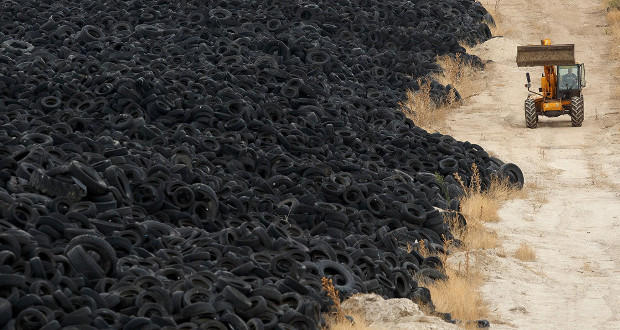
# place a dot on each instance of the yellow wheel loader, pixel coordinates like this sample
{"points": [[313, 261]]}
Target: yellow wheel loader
{"points": [[561, 83]]}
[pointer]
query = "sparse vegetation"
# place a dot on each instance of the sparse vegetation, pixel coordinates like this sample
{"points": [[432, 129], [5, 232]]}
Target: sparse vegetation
{"points": [[480, 205], [458, 73], [422, 110], [419, 105], [613, 17], [459, 294], [497, 29], [613, 28], [525, 252], [337, 319]]}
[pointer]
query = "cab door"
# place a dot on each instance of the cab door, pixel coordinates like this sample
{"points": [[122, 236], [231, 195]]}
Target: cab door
{"points": [[582, 75]]}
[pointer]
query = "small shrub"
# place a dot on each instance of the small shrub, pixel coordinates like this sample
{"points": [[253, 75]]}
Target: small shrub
{"points": [[421, 109], [458, 73], [525, 253], [459, 294]]}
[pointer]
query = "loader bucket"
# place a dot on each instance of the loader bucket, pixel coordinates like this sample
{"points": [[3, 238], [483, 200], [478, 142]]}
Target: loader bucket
{"points": [[545, 55]]}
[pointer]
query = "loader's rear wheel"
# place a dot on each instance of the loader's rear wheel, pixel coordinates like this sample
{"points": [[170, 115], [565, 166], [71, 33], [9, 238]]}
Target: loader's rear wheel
{"points": [[576, 111], [531, 117]]}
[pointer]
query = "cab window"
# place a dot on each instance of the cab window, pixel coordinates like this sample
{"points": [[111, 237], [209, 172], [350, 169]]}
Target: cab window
{"points": [[568, 77]]}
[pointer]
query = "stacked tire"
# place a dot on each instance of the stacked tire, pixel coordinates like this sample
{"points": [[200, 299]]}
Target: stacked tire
{"points": [[206, 164]]}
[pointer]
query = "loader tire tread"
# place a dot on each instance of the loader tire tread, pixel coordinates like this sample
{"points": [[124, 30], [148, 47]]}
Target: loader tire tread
{"points": [[531, 117], [576, 111]]}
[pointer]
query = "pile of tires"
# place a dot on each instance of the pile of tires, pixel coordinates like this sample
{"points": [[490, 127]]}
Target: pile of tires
{"points": [[184, 164]]}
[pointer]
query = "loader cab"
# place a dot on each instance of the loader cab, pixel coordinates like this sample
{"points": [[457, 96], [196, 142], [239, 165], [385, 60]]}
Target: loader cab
{"points": [[571, 78]]}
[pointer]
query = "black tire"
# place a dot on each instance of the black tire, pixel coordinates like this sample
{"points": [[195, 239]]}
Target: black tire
{"points": [[513, 173], [12, 280], [413, 213], [30, 318], [402, 283], [233, 321], [198, 309], [259, 305], [576, 111], [448, 166], [344, 279], [432, 274], [238, 299], [531, 117], [84, 264], [6, 312], [54, 187], [91, 179], [255, 324], [107, 255]]}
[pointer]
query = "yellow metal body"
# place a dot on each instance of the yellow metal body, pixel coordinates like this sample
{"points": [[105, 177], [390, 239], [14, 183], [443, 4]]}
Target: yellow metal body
{"points": [[549, 101], [560, 88]]}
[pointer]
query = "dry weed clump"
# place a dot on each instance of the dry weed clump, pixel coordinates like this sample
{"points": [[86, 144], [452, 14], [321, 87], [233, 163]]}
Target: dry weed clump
{"points": [[525, 252], [420, 107], [480, 207], [497, 29], [338, 320], [613, 17], [483, 205], [458, 73], [459, 294]]}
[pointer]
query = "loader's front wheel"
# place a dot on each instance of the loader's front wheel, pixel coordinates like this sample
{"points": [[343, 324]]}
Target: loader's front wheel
{"points": [[531, 117], [576, 111]]}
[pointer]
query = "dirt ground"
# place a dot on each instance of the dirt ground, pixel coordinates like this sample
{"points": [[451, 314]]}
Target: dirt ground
{"points": [[571, 215]]}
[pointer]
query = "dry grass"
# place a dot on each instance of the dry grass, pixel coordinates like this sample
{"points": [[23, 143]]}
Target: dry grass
{"points": [[423, 110], [482, 205], [613, 21], [478, 237], [613, 17], [499, 28], [337, 319], [525, 252], [457, 73], [334, 323], [459, 295]]}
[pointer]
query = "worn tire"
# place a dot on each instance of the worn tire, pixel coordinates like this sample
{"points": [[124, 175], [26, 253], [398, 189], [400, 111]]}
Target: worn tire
{"points": [[531, 118], [513, 173], [105, 252], [576, 111]]}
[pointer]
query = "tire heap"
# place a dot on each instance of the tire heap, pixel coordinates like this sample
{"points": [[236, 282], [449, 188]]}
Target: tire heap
{"points": [[175, 164]]}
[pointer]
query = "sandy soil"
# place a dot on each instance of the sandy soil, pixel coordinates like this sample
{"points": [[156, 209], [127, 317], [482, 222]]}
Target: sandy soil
{"points": [[571, 217]]}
